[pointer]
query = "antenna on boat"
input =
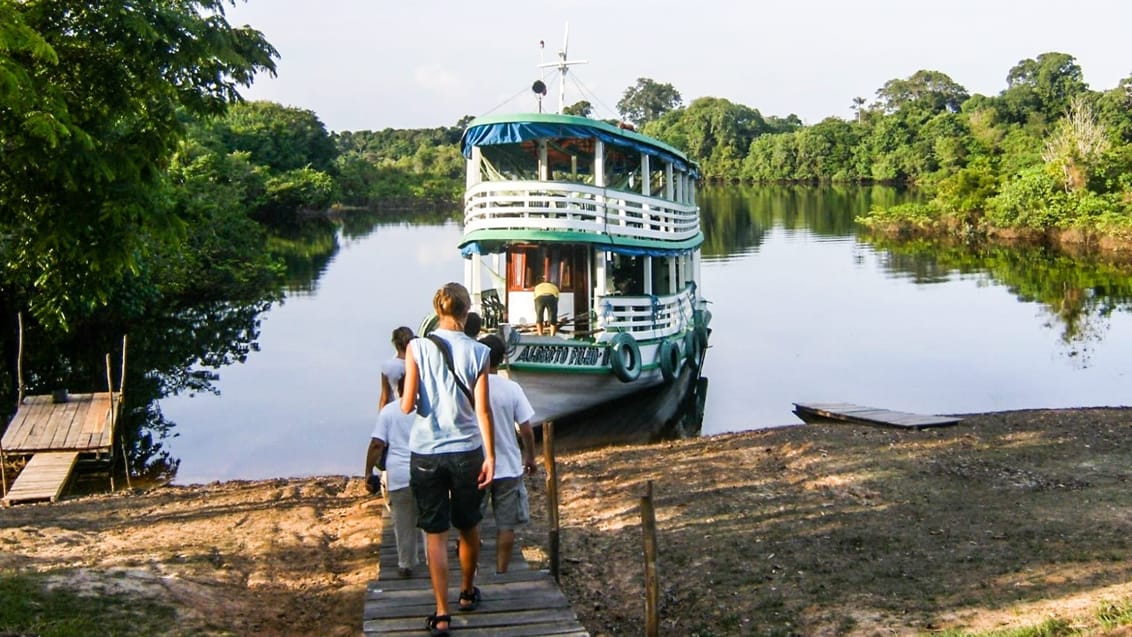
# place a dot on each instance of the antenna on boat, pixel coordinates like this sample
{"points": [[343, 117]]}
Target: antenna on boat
{"points": [[563, 65]]}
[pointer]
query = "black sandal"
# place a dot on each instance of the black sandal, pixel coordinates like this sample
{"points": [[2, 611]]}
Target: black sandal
{"points": [[472, 597], [431, 623]]}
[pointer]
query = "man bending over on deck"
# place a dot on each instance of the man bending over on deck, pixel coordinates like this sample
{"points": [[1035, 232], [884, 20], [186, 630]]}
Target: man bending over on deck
{"points": [[546, 300], [509, 407]]}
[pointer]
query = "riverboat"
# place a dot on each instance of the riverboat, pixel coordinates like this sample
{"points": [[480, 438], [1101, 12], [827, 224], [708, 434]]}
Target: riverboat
{"points": [[610, 217]]}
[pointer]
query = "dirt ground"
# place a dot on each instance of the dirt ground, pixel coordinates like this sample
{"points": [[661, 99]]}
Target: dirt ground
{"points": [[1005, 520]]}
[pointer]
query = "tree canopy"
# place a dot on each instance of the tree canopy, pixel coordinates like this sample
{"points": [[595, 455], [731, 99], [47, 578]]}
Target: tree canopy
{"points": [[647, 100], [930, 91], [93, 99], [279, 137]]}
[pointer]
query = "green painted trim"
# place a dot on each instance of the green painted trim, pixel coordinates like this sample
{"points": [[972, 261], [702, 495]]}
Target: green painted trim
{"points": [[563, 236], [563, 369], [575, 120], [558, 369]]}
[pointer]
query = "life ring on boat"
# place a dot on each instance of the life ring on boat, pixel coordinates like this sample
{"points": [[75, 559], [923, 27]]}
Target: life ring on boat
{"points": [[692, 349], [669, 360], [625, 357]]}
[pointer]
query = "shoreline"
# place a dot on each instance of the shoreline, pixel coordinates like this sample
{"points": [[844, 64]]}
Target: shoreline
{"points": [[1007, 519]]}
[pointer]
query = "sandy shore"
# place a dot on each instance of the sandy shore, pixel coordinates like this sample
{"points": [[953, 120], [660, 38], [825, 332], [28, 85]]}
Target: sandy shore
{"points": [[1005, 520]]}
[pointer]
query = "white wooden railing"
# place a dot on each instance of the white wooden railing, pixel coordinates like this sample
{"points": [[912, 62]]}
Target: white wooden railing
{"points": [[646, 317], [573, 207]]}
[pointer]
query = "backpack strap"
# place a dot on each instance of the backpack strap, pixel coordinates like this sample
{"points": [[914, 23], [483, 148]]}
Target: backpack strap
{"points": [[446, 352]]}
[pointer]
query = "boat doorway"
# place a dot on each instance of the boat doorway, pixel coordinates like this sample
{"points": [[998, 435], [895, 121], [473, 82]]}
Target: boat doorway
{"points": [[566, 266]]}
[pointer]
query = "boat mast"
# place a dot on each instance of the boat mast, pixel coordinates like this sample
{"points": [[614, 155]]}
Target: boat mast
{"points": [[563, 65]]}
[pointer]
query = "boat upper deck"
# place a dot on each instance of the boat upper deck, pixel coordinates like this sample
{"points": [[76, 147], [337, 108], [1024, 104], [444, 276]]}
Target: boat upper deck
{"points": [[540, 177], [502, 130], [547, 211]]}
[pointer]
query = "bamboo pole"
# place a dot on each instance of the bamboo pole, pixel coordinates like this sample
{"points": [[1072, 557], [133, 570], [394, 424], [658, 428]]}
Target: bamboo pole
{"points": [[19, 399], [20, 360], [551, 496], [3, 468], [122, 377], [113, 422], [114, 417], [652, 581]]}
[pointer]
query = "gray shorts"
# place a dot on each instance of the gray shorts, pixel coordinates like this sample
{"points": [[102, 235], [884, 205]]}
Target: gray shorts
{"points": [[509, 500]]}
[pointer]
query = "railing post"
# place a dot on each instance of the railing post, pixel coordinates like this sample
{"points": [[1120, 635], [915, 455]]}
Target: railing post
{"points": [[652, 581], [551, 496]]}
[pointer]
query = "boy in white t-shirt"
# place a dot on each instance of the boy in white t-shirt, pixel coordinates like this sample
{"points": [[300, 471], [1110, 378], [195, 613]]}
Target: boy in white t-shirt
{"points": [[393, 369], [509, 408], [392, 433]]}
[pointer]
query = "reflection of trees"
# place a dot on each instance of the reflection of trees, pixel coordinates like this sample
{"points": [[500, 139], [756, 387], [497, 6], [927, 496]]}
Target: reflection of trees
{"points": [[307, 245], [360, 222], [166, 355], [736, 218], [306, 248], [181, 353], [1078, 294], [727, 223]]}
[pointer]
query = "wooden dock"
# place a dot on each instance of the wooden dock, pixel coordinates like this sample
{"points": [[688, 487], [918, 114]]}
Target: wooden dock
{"points": [[55, 435], [520, 602], [848, 412]]}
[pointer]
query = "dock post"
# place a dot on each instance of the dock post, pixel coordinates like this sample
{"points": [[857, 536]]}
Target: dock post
{"points": [[551, 496], [113, 419], [3, 469], [652, 581]]}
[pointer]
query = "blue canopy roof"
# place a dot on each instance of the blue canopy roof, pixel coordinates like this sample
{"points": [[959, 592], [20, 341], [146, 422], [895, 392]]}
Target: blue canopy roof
{"points": [[513, 129]]}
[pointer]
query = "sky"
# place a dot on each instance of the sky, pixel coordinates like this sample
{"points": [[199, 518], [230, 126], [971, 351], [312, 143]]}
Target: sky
{"points": [[375, 64]]}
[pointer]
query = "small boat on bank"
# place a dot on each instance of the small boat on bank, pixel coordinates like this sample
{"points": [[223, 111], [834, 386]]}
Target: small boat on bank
{"points": [[609, 216]]}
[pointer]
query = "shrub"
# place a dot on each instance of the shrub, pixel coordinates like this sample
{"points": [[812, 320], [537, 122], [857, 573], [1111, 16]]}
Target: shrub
{"points": [[1032, 199]]}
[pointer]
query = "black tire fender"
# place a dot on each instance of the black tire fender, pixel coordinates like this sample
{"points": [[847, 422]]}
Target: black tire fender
{"points": [[625, 357]]}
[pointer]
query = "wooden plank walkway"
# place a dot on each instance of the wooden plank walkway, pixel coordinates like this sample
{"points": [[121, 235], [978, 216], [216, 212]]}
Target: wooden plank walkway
{"points": [[520, 602], [848, 412], [43, 478], [55, 434], [82, 423]]}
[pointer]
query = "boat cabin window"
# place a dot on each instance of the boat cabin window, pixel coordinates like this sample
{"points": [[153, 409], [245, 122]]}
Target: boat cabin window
{"points": [[571, 159], [563, 266], [656, 177], [627, 274], [507, 162], [568, 159], [623, 169], [661, 277]]}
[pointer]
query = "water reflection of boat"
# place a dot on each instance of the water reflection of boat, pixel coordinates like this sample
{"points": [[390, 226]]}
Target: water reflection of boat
{"points": [[663, 412], [610, 217]]}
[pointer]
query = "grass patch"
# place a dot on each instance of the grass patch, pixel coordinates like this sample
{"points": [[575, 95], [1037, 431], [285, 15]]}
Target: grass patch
{"points": [[28, 607], [1114, 614], [1107, 616], [1054, 627]]}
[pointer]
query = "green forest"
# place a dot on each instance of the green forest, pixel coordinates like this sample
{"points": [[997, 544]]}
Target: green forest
{"points": [[136, 182]]}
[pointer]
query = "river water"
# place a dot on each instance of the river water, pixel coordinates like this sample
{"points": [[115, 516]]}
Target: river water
{"points": [[804, 310]]}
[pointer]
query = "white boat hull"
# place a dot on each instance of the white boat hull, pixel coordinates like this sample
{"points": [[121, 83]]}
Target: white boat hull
{"points": [[555, 395]]}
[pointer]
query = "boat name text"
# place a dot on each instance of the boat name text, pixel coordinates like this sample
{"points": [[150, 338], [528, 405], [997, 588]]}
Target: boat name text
{"points": [[563, 355]]}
